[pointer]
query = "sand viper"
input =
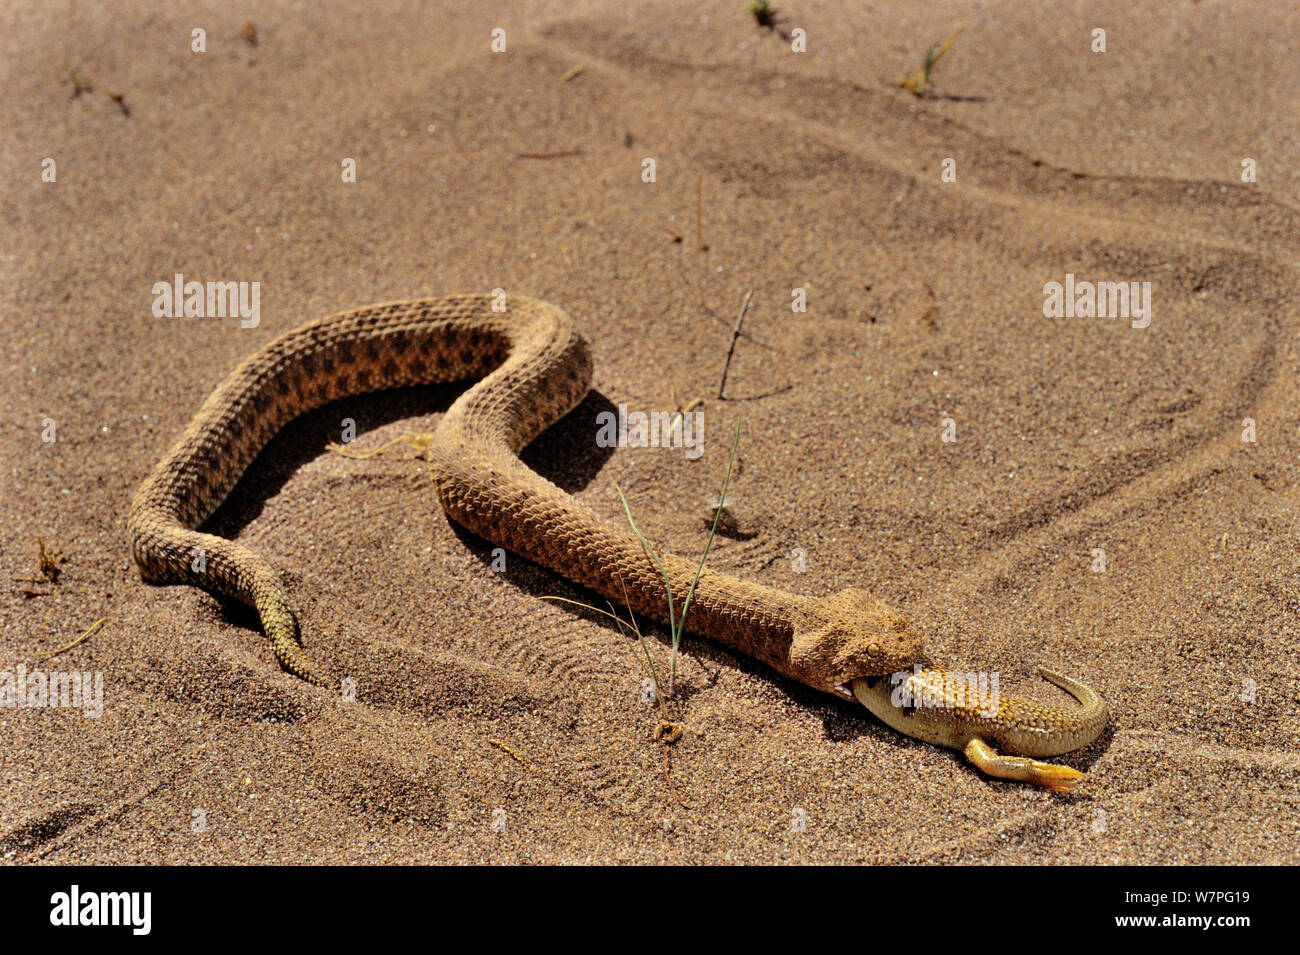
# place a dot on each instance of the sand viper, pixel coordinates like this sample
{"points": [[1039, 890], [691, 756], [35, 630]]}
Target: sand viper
{"points": [[534, 368]]}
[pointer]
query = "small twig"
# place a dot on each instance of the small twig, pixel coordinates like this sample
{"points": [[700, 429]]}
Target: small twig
{"points": [[512, 754], [573, 73], [745, 335], [699, 215], [931, 313], [50, 563], [80, 640], [558, 154], [80, 86], [684, 408], [418, 441], [735, 334], [768, 394]]}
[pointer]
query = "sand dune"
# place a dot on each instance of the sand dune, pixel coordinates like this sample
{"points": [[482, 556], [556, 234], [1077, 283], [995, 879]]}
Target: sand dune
{"points": [[774, 171]]}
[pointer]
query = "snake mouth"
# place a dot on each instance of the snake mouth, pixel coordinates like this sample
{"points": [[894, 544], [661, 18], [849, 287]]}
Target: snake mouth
{"points": [[846, 689]]}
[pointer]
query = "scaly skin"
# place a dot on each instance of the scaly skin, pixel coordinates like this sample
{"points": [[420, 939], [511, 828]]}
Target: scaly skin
{"points": [[534, 368], [941, 708]]}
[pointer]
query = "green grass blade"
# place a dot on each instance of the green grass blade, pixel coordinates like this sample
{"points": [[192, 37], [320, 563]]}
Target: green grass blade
{"points": [[654, 557], [717, 516]]}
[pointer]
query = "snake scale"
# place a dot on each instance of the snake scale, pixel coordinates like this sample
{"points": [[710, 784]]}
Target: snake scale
{"points": [[531, 368]]}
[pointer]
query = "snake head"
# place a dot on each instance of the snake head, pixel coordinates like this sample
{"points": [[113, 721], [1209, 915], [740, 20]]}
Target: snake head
{"points": [[850, 634]]}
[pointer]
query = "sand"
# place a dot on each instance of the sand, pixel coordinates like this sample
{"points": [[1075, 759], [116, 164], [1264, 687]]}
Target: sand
{"points": [[490, 725]]}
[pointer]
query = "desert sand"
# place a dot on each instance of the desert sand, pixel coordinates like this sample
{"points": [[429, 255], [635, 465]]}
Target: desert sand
{"points": [[1116, 502]]}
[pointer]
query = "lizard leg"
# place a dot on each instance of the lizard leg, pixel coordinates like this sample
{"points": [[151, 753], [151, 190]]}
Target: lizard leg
{"points": [[1021, 769]]}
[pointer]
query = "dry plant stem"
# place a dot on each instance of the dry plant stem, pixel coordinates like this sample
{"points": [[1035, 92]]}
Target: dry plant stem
{"points": [[49, 564], [509, 751], [699, 214], [660, 697], [85, 635], [557, 154], [735, 334], [918, 83]]}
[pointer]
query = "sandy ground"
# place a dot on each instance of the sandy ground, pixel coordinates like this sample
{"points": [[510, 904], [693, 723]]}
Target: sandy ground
{"points": [[775, 170]]}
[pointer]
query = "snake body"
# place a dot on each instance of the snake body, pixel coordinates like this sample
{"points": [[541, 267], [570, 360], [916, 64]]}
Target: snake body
{"points": [[532, 367]]}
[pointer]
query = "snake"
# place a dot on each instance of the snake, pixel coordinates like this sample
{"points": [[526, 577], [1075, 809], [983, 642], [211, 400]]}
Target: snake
{"points": [[530, 366]]}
